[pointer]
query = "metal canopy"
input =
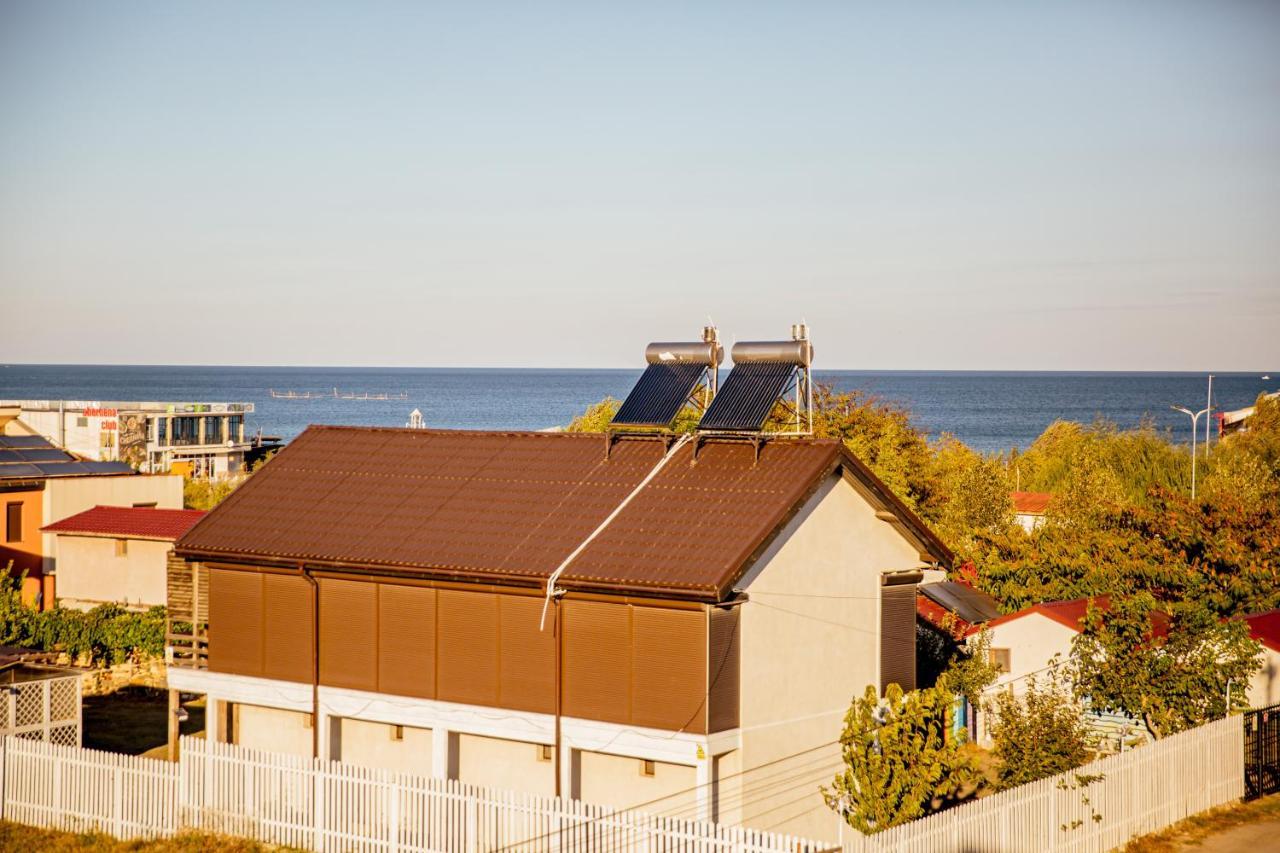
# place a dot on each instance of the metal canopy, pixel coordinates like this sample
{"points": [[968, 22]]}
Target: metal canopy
{"points": [[747, 396], [662, 391]]}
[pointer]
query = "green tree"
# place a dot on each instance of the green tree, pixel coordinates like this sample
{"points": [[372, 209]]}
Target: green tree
{"points": [[972, 670], [1167, 665], [1037, 733], [899, 764]]}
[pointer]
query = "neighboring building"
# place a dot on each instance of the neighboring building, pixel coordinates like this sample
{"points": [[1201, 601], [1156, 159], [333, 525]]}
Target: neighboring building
{"points": [[117, 554], [201, 439], [1264, 687], [1238, 420], [954, 608], [1029, 508], [715, 614], [40, 484]]}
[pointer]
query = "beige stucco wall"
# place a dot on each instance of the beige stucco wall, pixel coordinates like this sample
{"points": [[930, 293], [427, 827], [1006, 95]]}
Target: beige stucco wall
{"points": [[1033, 641], [272, 729], [810, 644], [613, 780], [509, 764], [66, 496], [371, 744], [1264, 687], [90, 573]]}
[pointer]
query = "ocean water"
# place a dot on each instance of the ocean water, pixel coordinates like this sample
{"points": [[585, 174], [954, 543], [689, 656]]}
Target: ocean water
{"points": [[989, 411]]}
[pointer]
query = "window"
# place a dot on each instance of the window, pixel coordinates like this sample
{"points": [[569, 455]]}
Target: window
{"points": [[13, 522], [647, 768], [82, 422], [212, 430], [122, 547], [308, 720], [397, 732], [1000, 657], [545, 752], [162, 430], [144, 505]]}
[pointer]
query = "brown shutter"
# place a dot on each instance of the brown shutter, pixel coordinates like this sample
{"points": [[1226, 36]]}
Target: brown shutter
{"points": [[468, 658], [898, 636], [526, 679], [723, 669], [235, 622], [348, 634], [287, 632], [407, 640], [597, 660], [669, 669]]}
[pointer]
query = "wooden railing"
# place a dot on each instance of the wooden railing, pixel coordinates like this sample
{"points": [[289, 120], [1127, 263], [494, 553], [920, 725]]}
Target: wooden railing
{"points": [[189, 650]]}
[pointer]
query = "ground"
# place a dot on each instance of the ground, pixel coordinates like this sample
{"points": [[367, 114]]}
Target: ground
{"points": [[134, 720], [1241, 828], [16, 837]]}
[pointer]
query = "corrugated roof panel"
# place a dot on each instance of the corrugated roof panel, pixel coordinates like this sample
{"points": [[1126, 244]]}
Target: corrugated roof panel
{"points": [[20, 471], [747, 397], [20, 441], [659, 394]]}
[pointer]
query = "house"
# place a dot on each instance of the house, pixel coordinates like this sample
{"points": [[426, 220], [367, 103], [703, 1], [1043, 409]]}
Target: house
{"points": [[1264, 686], [201, 439], [1029, 508], [40, 484], [117, 554], [624, 620]]}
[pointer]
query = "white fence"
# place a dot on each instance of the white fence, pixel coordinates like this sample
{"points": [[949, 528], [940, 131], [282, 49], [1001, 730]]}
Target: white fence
{"points": [[302, 802], [1140, 791], [45, 709]]}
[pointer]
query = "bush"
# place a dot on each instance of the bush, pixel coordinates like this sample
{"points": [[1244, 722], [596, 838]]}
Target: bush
{"points": [[1038, 733], [107, 634]]}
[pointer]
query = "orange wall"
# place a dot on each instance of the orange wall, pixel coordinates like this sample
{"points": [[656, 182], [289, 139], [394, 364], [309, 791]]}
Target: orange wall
{"points": [[27, 553]]}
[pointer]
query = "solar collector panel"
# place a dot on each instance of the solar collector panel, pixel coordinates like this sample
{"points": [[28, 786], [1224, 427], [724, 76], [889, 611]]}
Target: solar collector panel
{"points": [[660, 393], [747, 397]]}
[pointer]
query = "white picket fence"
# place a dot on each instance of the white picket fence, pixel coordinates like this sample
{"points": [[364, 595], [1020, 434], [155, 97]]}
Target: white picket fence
{"points": [[1140, 791], [330, 806]]}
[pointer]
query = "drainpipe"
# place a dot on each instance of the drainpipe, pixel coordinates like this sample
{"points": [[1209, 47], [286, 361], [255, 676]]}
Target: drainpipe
{"points": [[62, 424], [315, 659], [557, 638]]}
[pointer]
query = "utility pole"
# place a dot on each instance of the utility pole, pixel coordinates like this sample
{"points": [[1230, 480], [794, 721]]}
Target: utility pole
{"points": [[1208, 407]]}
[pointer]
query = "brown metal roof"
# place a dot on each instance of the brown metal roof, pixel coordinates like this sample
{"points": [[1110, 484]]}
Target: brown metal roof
{"points": [[510, 506]]}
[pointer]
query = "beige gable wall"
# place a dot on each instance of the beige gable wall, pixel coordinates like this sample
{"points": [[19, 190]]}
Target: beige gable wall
{"points": [[1264, 687], [90, 573], [810, 644]]}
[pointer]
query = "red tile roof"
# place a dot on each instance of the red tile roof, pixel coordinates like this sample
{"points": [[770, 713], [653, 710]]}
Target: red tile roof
{"points": [[1265, 628], [130, 522], [1031, 503], [1069, 613], [511, 506]]}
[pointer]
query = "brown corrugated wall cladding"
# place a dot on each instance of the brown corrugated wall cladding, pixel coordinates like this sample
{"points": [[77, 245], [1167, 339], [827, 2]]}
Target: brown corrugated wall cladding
{"points": [[723, 669], [348, 634], [898, 636], [468, 656], [526, 678], [597, 661], [235, 622], [407, 640], [669, 668], [286, 628]]}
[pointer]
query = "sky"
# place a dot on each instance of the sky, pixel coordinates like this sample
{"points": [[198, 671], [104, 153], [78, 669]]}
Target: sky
{"points": [[984, 185]]}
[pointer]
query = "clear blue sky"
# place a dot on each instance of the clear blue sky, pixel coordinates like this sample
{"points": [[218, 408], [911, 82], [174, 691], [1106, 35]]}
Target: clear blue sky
{"points": [[1015, 185]]}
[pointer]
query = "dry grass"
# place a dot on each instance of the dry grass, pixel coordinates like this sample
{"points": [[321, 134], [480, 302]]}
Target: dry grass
{"points": [[1192, 832], [16, 837]]}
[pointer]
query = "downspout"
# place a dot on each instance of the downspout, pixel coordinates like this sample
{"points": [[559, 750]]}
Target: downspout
{"points": [[315, 659], [558, 640]]}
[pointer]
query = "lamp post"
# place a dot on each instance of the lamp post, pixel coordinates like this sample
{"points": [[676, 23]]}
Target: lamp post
{"points": [[1195, 416]]}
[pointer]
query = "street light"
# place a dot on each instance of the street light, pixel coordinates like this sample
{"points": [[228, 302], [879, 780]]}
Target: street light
{"points": [[1195, 416]]}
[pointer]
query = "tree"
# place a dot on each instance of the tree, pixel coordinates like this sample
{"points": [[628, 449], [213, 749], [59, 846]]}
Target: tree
{"points": [[1037, 733], [972, 670], [1169, 666], [899, 764]]}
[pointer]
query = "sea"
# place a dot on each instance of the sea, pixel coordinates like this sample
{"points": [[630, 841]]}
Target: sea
{"points": [[989, 411]]}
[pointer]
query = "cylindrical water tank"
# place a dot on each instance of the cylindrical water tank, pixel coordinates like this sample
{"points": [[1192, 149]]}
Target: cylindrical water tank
{"points": [[779, 352], [688, 352]]}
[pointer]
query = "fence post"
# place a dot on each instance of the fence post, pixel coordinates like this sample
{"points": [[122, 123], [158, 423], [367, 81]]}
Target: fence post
{"points": [[393, 813], [117, 802], [4, 788], [57, 795], [472, 830], [318, 815], [46, 699]]}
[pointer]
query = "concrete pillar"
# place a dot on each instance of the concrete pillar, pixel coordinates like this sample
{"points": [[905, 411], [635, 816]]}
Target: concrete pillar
{"points": [[703, 795], [440, 742], [570, 772], [330, 736]]}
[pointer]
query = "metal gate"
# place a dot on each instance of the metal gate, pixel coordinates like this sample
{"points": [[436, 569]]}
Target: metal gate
{"points": [[1261, 752]]}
